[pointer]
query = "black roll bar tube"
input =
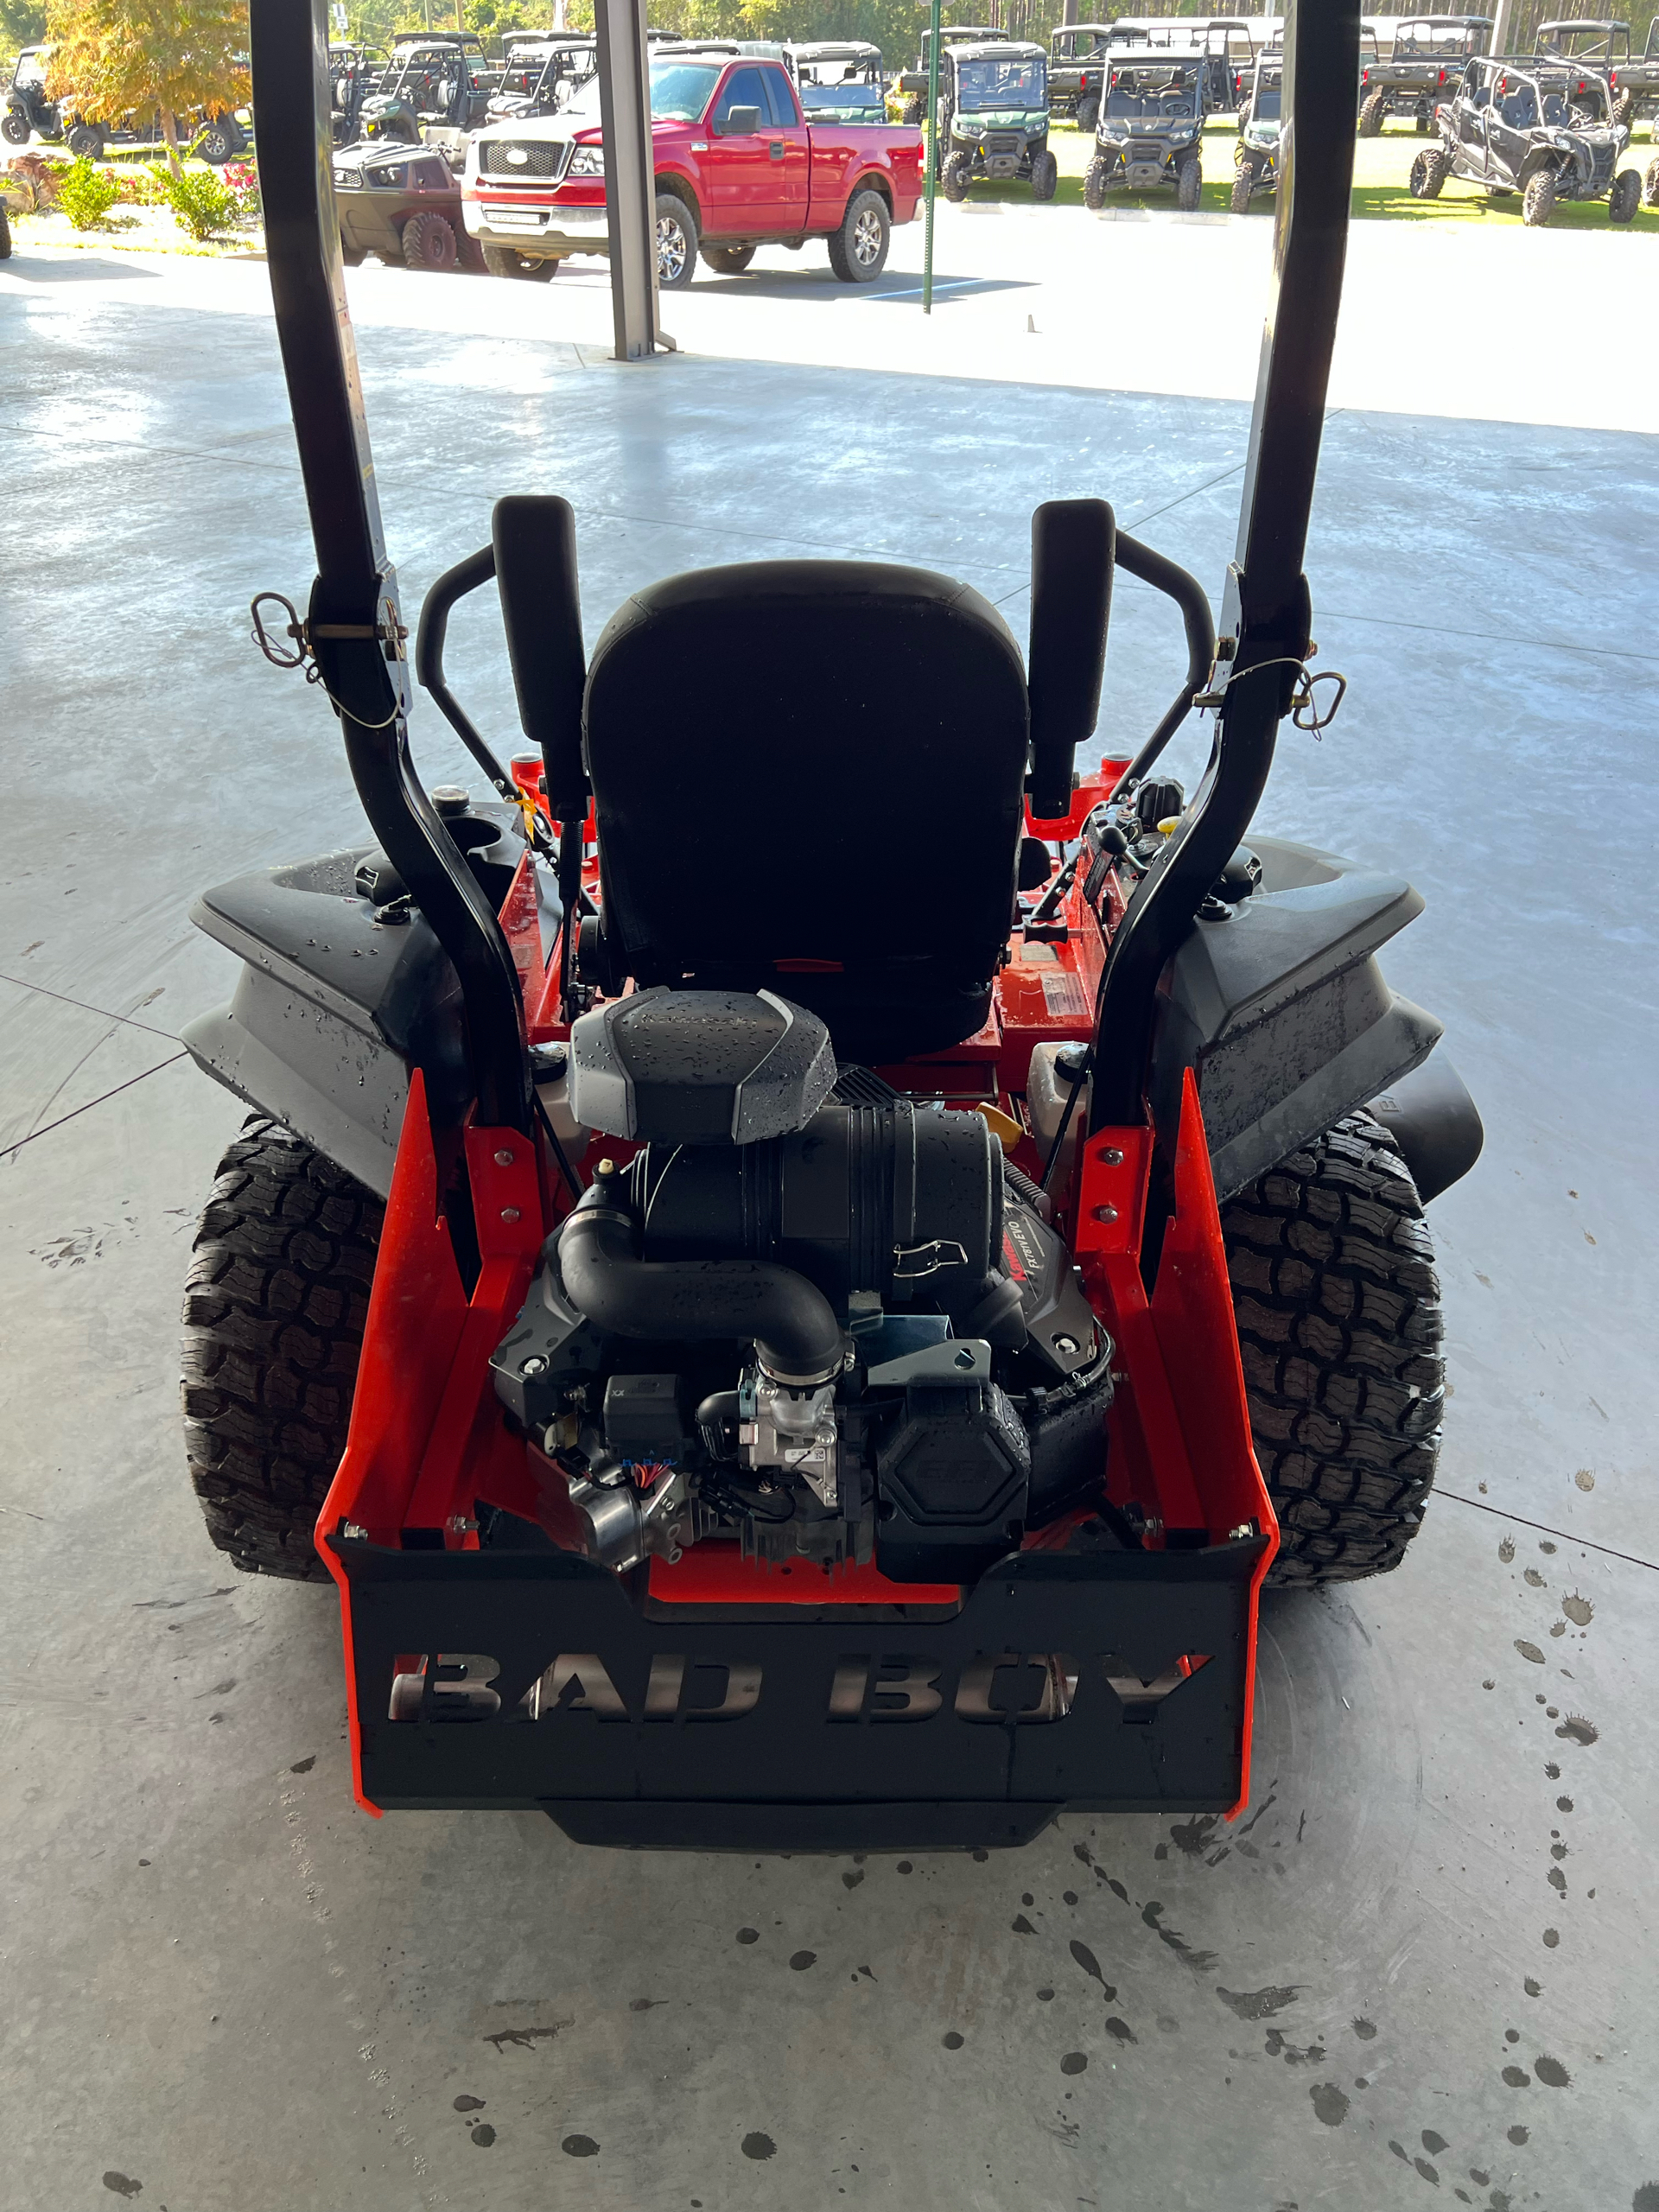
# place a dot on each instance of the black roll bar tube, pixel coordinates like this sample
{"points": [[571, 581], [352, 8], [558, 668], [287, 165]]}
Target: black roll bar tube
{"points": [[1265, 611], [1189, 594], [353, 621], [431, 638]]}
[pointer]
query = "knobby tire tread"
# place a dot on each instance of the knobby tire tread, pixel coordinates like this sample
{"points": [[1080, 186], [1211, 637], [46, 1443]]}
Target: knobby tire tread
{"points": [[1339, 1326], [274, 1308]]}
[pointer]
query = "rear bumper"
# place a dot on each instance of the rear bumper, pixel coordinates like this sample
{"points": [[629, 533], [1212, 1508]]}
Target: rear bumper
{"points": [[710, 1728]]}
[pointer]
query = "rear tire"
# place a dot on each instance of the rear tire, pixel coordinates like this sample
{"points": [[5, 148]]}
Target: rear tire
{"points": [[858, 250], [728, 260], [429, 243], [1045, 176], [1372, 115], [1189, 185], [1625, 198], [1094, 185], [954, 179], [1538, 203], [1243, 184], [274, 1308], [219, 143], [678, 240], [1427, 175], [1088, 113], [530, 268], [1337, 1305]]}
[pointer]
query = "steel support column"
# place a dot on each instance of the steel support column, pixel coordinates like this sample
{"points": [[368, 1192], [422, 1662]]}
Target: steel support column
{"points": [[630, 184]]}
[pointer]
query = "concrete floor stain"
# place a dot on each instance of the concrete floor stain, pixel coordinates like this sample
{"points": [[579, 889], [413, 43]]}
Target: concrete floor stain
{"points": [[1259, 2003]]}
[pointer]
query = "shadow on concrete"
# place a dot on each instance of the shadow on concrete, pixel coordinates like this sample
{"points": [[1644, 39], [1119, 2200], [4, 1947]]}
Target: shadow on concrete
{"points": [[92, 268]]}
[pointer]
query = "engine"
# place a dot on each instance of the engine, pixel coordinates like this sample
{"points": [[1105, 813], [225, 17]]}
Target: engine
{"points": [[807, 1313]]}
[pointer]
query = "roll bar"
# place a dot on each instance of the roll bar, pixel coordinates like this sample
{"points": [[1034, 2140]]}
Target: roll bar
{"points": [[355, 632], [1265, 608], [353, 625]]}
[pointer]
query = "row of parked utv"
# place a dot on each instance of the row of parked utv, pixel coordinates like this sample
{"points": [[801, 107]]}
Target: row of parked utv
{"points": [[1545, 127]]}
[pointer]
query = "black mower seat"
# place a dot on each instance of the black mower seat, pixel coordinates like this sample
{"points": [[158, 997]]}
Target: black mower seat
{"points": [[808, 779]]}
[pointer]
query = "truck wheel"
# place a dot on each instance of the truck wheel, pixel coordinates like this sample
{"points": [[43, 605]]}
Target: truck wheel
{"points": [[1371, 115], [958, 170], [1625, 198], [1338, 1314], [533, 268], [217, 144], [1189, 185], [728, 260], [1094, 185], [274, 1306], [1538, 203], [87, 142], [858, 250], [676, 243], [429, 242], [1045, 176], [14, 128], [1244, 179], [1087, 112], [1650, 184], [1427, 175]]}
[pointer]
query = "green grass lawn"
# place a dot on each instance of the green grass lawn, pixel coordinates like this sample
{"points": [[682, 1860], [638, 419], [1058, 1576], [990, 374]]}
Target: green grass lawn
{"points": [[1381, 188]]}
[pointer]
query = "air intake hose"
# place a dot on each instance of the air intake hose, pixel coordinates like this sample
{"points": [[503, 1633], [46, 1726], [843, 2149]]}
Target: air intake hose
{"points": [[791, 1323]]}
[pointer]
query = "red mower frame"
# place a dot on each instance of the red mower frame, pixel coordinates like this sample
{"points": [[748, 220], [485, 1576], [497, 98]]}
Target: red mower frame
{"points": [[717, 1703]]}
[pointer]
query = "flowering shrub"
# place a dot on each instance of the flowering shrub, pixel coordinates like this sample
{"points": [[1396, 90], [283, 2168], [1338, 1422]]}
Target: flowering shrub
{"points": [[242, 180]]}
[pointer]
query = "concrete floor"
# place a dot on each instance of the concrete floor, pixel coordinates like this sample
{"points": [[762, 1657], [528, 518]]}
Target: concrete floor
{"points": [[1422, 1966]]}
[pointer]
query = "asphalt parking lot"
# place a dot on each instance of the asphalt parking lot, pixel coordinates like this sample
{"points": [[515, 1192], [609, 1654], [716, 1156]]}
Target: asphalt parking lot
{"points": [[1422, 1964]]}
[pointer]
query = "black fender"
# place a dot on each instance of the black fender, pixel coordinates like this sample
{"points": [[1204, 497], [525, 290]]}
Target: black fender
{"points": [[333, 1007], [1282, 1013]]}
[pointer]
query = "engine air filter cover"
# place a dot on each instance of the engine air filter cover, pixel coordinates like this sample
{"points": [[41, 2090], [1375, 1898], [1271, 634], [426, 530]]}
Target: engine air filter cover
{"points": [[699, 1067]]}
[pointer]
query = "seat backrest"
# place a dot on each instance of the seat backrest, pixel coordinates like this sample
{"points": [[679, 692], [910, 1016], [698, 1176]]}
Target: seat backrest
{"points": [[808, 776]]}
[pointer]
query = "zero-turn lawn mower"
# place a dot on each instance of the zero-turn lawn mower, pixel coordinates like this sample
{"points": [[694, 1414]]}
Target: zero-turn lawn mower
{"points": [[759, 1352]]}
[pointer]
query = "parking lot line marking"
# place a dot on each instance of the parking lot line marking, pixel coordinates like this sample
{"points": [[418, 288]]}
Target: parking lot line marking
{"points": [[950, 284]]}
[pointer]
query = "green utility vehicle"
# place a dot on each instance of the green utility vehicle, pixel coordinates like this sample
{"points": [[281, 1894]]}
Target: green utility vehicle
{"points": [[1257, 159], [993, 118], [913, 82]]}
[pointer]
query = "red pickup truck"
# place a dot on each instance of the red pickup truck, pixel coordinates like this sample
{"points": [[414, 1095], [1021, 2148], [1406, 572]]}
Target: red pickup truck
{"points": [[737, 168]]}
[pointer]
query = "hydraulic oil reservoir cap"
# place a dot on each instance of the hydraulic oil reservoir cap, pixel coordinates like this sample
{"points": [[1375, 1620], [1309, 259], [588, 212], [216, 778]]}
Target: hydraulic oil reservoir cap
{"points": [[1170, 823], [449, 800]]}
